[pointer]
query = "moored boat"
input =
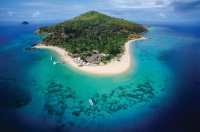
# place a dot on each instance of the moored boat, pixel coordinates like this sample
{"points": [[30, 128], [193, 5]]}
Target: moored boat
{"points": [[91, 102], [54, 63]]}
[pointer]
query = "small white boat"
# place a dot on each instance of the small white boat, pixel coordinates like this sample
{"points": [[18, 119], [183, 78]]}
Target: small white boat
{"points": [[54, 63], [50, 58], [91, 102]]}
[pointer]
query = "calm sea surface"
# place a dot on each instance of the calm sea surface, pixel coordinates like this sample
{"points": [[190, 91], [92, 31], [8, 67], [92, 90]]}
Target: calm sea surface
{"points": [[162, 94]]}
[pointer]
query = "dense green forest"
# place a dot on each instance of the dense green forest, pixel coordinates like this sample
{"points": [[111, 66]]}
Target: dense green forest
{"points": [[92, 31]]}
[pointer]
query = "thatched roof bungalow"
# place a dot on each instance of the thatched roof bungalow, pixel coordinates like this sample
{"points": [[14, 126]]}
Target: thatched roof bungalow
{"points": [[95, 58]]}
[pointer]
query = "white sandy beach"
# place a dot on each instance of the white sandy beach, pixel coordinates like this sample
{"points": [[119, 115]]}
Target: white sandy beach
{"points": [[114, 67]]}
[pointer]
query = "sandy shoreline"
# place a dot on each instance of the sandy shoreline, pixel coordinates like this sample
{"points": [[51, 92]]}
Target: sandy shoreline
{"points": [[114, 67]]}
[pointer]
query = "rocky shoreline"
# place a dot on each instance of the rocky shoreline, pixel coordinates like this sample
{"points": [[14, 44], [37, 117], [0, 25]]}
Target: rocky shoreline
{"points": [[33, 47]]}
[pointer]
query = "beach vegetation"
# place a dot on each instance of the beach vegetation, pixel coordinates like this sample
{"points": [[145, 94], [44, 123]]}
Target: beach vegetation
{"points": [[82, 58], [92, 31]]}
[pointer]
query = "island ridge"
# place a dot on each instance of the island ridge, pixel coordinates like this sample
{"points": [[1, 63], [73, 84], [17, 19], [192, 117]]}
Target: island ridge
{"points": [[97, 40]]}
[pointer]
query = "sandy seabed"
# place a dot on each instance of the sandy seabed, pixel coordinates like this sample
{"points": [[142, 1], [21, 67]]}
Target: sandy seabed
{"points": [[112, 68]]}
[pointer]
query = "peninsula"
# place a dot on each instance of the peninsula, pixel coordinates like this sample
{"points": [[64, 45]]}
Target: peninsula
{"points": [[93, 42]]}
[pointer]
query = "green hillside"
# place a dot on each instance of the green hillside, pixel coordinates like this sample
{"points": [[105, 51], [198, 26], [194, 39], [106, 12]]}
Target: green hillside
{"points": [[92, 31]]}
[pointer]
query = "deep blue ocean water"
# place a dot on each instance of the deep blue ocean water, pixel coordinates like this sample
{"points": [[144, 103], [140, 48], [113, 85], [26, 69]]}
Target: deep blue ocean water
{"points": [[162, 94]]}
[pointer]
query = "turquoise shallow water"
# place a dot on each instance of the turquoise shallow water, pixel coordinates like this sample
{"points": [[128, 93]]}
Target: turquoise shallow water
{"points": [[40, 96], [63, 93]]}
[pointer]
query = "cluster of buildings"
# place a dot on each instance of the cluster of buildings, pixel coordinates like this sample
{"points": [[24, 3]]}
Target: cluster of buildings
{"points": [[95, 59]]}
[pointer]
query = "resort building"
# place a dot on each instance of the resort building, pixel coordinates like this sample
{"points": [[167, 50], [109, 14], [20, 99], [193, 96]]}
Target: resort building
{"points": [[95, 58]]}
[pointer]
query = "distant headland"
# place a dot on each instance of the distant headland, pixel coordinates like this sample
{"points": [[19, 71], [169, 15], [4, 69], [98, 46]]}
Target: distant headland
{"points": [[92, 39]]}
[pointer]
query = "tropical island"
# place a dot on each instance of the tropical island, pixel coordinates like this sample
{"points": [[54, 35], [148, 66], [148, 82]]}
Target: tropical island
{"points": [[92, 39], [25, 22]]}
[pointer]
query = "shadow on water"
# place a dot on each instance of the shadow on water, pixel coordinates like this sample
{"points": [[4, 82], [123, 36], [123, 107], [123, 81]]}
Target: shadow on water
{"points": [[14, 95]]}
